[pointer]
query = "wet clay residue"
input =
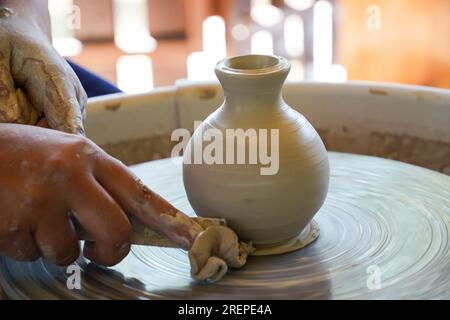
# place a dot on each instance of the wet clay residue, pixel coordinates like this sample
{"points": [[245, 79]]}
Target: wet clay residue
{"points": [[378, 91], [143, 188], [113, 107], [206, 93], [426, 96], [141, 150], [431, 154], [4, 91], [5, 12]]}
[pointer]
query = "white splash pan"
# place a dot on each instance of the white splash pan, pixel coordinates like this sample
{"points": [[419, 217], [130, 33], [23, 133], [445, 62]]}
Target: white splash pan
{"points": [[403, 122]]}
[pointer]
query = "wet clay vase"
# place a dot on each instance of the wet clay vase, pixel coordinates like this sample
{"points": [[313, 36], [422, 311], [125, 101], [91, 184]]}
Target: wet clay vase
{"points": [[263, 204]]}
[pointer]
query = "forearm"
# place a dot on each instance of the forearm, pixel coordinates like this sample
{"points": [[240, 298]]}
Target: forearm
{"points": [[34, 11]]}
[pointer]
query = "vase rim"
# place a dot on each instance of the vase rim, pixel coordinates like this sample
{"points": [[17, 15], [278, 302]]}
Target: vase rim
{"points": [[253, 65]]}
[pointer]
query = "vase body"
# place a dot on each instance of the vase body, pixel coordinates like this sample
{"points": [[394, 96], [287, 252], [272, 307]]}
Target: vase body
{"points": [[270, 201]]}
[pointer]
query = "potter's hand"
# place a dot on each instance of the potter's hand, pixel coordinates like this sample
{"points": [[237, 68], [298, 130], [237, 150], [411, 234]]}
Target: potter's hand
{"points": [[37, 86], [214, 250], [48, 177]]}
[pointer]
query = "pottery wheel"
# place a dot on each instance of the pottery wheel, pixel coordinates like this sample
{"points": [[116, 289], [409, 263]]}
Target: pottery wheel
{"points": [[384, 233]]}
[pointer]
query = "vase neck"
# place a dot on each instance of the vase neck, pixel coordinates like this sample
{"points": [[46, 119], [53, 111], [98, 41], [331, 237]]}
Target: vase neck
{"points": [[252, 102], [253, 80]]}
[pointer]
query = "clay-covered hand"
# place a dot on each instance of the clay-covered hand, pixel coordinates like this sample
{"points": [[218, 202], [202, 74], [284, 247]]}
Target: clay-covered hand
{"points": [[48, 178], [37, 85], [214, 250]]}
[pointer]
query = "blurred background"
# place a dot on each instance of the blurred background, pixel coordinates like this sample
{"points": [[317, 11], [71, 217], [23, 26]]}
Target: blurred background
{"points": [[140, 44]]}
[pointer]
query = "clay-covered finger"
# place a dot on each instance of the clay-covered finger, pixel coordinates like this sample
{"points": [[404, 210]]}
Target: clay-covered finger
{"points": [[147, 206], [48, 82], [126, 188], [57, 240], [9, 107], [81, 96], [104, 220], [30, 115]]}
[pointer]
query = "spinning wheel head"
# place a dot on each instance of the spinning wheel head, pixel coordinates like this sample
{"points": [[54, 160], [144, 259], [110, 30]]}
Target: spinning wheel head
{"points": [[384, 234]]}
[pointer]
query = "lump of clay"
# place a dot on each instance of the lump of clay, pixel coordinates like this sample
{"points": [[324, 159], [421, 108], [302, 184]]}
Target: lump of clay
{"points": [[214, 250]]}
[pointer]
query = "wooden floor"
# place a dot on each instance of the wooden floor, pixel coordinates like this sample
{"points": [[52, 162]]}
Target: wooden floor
{"points": [[169, 60]]}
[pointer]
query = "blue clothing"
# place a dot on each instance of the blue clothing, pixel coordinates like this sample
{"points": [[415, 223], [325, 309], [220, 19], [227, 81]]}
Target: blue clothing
{"points": [[92, 83]]}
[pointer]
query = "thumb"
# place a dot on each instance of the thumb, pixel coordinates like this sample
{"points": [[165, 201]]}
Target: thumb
{"points": [[53, 89]]}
